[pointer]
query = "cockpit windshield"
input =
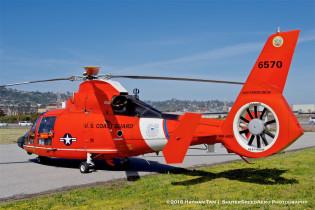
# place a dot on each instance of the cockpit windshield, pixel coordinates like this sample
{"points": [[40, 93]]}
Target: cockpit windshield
{"points": [[33, 128]]}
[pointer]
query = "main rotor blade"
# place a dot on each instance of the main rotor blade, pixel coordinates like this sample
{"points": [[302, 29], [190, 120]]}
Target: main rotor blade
{"points": [[109, 76], [72, 78]]}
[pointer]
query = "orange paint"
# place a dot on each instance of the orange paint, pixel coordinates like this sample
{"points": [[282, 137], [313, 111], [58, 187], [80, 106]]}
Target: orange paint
{"points": [[89, 124]]}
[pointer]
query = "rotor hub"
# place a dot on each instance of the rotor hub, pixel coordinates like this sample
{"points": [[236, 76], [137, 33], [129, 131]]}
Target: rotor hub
{"points": [[91, 72], [256, 126]]}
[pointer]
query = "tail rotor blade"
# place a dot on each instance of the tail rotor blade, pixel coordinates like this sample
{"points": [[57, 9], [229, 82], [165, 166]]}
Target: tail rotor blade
{"points": [[258, 141], [255, 111], [251, 140], [262, 113], [264, 139], [249, 113]]}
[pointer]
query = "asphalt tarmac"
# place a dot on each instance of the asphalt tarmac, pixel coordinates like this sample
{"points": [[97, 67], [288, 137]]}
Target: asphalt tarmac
{"points": [[22, 176]]}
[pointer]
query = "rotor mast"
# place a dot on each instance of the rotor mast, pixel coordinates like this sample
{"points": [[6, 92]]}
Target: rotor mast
{"points": [[91, 72]]}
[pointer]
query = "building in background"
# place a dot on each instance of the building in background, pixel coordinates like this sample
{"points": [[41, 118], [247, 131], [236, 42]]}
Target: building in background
{"points": [[303, 108], [17, 109], [45, 108]]}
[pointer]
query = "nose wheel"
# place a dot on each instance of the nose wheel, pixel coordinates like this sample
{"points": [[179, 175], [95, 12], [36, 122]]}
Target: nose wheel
{"points": [[84, 167]]}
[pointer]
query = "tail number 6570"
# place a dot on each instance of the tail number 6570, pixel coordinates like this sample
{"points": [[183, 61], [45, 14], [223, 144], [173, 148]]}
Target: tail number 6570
{"points": [[269, 64]]}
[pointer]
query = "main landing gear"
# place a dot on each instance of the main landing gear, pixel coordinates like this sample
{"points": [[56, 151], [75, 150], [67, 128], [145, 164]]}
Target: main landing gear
{"points": [[87, 165], [111, 164]]}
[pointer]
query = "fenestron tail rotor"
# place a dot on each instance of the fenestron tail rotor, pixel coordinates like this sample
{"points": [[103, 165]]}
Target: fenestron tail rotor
{"points": [[257, 126]]}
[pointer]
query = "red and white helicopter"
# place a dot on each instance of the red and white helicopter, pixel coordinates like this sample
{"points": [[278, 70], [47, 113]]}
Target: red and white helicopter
{"points": [[102, 121]]}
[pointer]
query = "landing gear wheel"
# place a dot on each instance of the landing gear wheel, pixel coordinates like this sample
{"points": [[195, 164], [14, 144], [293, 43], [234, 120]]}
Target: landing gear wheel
{"points": [[84, 167]]}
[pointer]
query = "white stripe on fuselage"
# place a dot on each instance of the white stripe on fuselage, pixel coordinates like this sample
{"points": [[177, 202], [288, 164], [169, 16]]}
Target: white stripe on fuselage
{"points": [[152, 132], [72, 149]]}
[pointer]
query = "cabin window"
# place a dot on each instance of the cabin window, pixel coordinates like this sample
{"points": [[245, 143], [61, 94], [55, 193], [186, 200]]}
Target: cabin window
{"points": [[45, 130], [131, 106]]}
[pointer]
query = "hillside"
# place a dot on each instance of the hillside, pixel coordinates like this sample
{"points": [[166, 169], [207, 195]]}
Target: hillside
{"points": [[12, 96], [13, 102], [175, 105]]}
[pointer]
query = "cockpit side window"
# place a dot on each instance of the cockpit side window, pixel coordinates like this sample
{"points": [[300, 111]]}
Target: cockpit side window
{"points": [[46, 124], [45, 130]]}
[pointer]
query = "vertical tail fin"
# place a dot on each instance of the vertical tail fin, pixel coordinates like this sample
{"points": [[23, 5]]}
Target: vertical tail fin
{"points": [[272, 66], [261, 122]]}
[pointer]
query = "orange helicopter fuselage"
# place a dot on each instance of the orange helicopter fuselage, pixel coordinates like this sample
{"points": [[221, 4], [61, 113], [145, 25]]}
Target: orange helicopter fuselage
{"points": [[103, 121], [88, 124]]}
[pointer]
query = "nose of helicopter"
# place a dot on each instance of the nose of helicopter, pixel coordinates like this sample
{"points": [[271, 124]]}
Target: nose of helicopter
{"points": [[21, 140]]}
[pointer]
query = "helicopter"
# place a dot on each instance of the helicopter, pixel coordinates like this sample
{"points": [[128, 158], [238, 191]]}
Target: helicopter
{"points": [[102, 121]]}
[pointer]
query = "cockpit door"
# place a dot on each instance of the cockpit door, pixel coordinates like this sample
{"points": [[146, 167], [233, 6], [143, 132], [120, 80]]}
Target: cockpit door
{"points": [[45, 132]]}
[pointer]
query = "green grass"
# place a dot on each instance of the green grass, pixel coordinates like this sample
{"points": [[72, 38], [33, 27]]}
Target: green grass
{"points": [[10, 135], [289, 176]]}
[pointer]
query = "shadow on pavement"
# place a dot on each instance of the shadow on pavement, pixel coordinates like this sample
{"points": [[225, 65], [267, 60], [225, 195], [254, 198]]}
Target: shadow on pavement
{"points": [[133, 164], [266, 176], [14, 162]]}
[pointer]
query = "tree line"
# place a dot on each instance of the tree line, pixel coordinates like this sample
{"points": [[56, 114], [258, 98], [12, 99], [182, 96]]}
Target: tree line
{"points": [[17, 118]]}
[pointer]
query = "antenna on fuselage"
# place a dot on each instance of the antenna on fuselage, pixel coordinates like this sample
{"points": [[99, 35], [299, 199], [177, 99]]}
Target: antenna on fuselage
{"points": [[136, 92]]}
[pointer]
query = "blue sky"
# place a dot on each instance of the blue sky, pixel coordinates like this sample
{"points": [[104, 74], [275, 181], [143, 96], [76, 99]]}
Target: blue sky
{"points": [[208, 39]]}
